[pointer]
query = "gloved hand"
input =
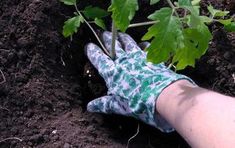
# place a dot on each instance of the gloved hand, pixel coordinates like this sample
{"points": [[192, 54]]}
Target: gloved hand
{"points": [[133, 83]]}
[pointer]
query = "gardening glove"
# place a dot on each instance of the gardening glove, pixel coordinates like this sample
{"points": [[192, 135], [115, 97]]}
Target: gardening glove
{"points": [[133, 83]]}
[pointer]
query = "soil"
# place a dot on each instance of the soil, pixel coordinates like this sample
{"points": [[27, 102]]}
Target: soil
{"points": [[43, 99]]}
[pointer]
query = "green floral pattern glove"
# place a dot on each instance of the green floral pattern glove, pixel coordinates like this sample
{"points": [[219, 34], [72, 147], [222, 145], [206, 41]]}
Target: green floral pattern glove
{"points": [[133, 83]]}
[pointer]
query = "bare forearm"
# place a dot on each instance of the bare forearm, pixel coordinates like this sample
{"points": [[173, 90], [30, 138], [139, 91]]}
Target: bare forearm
{"points": [[204, 118]]}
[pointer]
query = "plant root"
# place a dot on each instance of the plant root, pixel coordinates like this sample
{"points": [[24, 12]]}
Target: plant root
{"points": [[3, 76], [11, 138], [149, 143], [233, 75], [137, 132], [5, 50], [3, 108]]}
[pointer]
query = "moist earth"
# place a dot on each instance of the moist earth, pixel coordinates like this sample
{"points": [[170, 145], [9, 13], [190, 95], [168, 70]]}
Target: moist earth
{"points": [[47, 81]]}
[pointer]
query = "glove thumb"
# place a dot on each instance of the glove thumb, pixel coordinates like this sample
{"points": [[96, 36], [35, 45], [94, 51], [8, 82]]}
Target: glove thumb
{"points": [[101, 105]]}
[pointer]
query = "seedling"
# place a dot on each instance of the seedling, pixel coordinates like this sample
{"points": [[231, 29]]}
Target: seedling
{"points": [[71, 25], [179, 39]]}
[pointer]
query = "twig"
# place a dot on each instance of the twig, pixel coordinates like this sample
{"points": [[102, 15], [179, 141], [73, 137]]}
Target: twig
{"points": [[170, 66], [142, 24], [114, 37], [97, 37], [5, 50], [137, 132], [3, 108], [11, 138], [3, 76], [173, 7]]}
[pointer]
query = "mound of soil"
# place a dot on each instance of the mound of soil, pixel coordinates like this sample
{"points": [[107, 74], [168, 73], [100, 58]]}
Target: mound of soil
{"points": [[44, 85]]}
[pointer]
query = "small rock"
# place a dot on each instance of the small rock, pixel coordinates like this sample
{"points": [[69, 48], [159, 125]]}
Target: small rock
{"points": [[22, 55], [54, 132]]}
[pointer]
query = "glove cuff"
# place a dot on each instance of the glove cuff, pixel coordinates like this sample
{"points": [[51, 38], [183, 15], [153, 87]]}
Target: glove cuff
{"points": [[148, 112]]}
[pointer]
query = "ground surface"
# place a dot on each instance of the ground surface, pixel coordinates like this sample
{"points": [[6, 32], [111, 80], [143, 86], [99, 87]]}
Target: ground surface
{"points": [[46, 91]]}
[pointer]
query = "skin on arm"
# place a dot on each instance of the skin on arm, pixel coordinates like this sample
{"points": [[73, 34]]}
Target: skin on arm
{"points": [[203, 118]]}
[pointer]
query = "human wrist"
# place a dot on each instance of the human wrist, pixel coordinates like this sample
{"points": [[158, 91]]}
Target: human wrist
{"points": [[176, 90]]}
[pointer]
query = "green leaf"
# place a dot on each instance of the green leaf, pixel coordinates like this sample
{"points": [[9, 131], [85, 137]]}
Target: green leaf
{"points": [[94, 12], [230, 27], [69, 2], [71, 26], [216, 12], [170, 39], [225, 22], [195, 45], [123, 12], [184, 3], [166, 34], [206, 19], [152, 2], [100, 23], [196, 2]]}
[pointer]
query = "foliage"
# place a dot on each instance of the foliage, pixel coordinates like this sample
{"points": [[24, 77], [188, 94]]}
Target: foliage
{"points": [[180, 39], [123, 12], [92, 13]]}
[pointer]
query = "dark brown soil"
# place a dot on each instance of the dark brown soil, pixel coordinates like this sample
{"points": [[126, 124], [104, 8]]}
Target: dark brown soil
{"points": [[43, 100]]}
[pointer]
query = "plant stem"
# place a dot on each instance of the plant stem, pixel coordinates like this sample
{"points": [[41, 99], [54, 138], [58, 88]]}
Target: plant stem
{"points": [[114, 37], [142, 24], [173, 7], [97, 37]]}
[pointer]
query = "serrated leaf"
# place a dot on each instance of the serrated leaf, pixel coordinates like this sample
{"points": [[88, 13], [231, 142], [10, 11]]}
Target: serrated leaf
{"points": [[186, 4], [166, 34], [152, 2], [230, 27], [123, 12], [94, 12], [216, 12], [71, 26], [100, 23], [195, 45], [69, 2]]}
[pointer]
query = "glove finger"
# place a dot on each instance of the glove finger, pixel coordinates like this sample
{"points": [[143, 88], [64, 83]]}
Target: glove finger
{"points": [[107, 40], [100, 105], [100, 60], [144, 45], [130, 46], [108, 105]]}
